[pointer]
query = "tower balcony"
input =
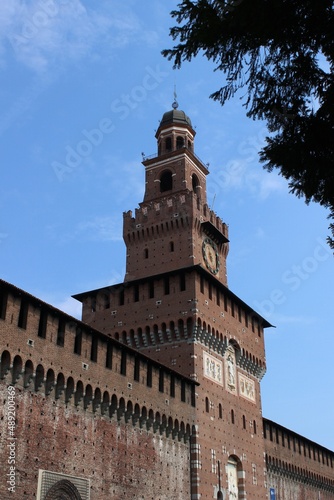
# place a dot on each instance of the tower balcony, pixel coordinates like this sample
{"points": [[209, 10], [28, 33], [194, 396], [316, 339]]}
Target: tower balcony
{"points": [[171, 153]]}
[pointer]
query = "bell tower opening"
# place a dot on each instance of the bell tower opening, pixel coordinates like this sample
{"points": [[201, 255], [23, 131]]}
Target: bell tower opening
{"points": [[168, 144], [179, 142]]}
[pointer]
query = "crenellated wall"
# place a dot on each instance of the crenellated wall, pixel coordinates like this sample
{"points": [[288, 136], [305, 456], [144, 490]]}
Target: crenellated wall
{"points": [[96, 409], [297, 467], [89, 406], [120, 456], [167, 234], [141, 314]]}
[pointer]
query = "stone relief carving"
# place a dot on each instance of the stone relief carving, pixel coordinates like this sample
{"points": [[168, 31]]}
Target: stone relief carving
{"points": [[246, 388], [230, 367], [212, 368], [232, 477]]}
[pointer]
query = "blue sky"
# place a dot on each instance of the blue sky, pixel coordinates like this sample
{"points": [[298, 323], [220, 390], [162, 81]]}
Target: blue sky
{"points": [[84, 87]]}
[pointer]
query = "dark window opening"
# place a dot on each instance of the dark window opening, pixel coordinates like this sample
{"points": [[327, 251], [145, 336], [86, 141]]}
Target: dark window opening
{"points": [[232, 416], [171, 246], [183, 390], [121, 298], [220, 409], [136, 371], [193, 396], [123, 363], [145, 253], [195, 183], [3, 304], [61, 333], [172, 386], [106, 301], [207, 405], [93, 304], [166, 181], [179, 142], [166, 285], [151, 289], [182, 282], [93, 349], [109, 356], [23, 314], [43, 321], [244, 421], [149, 375], [168, 144], [78, 341], [161, 380]]}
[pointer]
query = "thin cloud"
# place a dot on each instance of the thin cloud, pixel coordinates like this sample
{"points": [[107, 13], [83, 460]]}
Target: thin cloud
{"points": [[70, 306], [106, 228], [239, 175], [100, 229], [279, 319], [44, 35], [132, 171]]}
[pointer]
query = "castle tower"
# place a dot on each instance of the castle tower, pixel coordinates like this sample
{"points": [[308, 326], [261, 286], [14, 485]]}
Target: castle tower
{"points": [[174, 305], [174, 227]]}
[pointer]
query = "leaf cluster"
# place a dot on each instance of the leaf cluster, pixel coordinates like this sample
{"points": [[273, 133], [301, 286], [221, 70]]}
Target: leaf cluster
{"points": [[281, 52]]}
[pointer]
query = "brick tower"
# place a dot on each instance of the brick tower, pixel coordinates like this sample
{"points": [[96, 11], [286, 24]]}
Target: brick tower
{"points": [[174, 306]]}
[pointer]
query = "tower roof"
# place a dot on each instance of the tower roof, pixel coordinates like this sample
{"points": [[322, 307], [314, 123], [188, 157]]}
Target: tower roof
{"points": [[175, 116]]}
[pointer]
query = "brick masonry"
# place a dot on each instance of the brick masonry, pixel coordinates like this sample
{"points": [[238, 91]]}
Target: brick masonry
{"points": [[156, 392]]}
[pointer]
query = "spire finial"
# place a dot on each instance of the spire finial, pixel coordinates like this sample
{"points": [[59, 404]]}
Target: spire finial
{"points": [[175, 104]]}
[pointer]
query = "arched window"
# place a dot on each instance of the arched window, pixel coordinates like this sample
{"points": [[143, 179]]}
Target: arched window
{"points": [[168, 144], [195, 183], [166, 181], [179, 142]]}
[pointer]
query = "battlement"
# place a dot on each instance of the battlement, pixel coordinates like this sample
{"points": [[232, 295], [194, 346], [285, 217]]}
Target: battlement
{"points": [[47, 351], [285, 448], [177, 209]]}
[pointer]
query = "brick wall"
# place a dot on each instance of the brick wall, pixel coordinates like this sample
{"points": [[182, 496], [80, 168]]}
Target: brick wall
{"points": [[120, 460], [297, 467]]}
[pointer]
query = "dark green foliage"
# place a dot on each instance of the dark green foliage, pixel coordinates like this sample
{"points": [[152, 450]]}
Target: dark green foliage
{"points": [[282, 53]]}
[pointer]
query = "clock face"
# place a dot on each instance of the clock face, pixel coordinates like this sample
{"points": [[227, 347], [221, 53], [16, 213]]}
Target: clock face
{"points": [[210, 254]]}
